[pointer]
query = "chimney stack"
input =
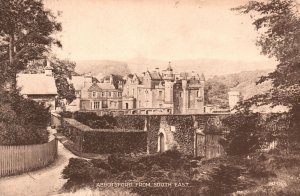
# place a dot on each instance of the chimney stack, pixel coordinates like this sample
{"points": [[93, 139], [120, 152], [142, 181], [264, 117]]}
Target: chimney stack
{"points": [[48, 69]]}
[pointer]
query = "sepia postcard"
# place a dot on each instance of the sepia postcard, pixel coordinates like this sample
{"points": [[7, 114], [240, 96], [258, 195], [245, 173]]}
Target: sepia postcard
{"points": [[146, 98]]}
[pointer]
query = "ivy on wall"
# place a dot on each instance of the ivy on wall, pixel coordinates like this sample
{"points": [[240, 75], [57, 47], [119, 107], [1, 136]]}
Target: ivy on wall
{"points": [[153, 129], [130, 122], [184, 134]]}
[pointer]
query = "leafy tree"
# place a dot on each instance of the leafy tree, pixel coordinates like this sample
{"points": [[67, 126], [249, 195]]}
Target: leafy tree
{"points": [[278, 24], [63, 70], [216, 93], [25, 34]]}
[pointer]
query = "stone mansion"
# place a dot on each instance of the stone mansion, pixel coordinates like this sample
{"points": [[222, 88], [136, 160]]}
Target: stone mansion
{"points": [[153, 92]]}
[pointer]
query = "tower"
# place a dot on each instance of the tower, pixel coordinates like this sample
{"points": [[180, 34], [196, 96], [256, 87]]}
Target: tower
{"points": [[169, 84], [184, 95]]}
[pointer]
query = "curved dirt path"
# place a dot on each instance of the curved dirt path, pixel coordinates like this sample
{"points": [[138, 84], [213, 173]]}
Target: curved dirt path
{"points": [[46, 181]]}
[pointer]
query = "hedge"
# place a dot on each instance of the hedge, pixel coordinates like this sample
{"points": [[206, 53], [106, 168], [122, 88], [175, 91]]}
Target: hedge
{"points": [[104, 141], [107, 142], [94, 121]]}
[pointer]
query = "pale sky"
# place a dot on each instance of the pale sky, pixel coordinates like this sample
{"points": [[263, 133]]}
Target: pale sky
{"points": [[155, 29]]}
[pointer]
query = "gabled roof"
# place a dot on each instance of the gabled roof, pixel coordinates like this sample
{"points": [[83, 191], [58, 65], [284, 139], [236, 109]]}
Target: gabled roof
{"points": [[154, 75], [94, 87], [36, 84]]}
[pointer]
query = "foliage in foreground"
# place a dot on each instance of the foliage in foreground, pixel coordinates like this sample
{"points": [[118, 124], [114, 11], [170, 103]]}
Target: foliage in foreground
{"points": [[170, 167], [271, 173], [250, 132], [22, 121]]}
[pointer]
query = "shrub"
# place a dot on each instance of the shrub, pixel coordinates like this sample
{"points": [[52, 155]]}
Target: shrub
{"points": [[31, 113], [12, 134], [94, 121], [243, 137], [224, 179], [78, 171], [119, 163], [121, 168], [101, 164], [250, 132], [22, 121]]}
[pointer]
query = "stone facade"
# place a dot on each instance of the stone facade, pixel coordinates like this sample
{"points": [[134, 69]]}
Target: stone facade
{"points": [[94, 95], [151, 93], [181, 94]]}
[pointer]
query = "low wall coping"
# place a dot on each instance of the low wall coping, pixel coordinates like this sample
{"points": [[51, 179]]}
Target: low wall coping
{"points": [[86, 128]]}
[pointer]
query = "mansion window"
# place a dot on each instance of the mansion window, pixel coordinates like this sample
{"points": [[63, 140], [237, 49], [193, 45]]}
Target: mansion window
{"points": [[119, 94], [109, 94], [198, 95], [180, 94], [96, 105], [94, 94], [102, 94], [160, 94], [104, 104], [113, 104]]}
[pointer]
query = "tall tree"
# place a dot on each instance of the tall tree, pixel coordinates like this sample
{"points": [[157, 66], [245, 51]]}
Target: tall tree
{"points": [[25, 34], [63, 71], [278, 25]]}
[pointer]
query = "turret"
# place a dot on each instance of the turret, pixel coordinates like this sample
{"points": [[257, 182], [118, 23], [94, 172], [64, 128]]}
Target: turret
{"points": [[169, 73], [169, 84]]}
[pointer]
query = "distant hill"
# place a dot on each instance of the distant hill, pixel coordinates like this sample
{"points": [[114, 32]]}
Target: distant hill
{"points": [[209, 67], [101, 68], [217, 87]]}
